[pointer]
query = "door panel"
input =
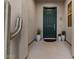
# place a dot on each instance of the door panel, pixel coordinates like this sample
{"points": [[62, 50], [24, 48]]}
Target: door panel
{"points": [[49, 22]]}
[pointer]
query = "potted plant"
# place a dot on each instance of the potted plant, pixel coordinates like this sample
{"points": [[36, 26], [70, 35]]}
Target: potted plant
{"points": [[38, 35], [59, 37], [63, 35]]}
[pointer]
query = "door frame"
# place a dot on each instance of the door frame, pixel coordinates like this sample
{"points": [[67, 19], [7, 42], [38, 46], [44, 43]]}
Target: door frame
{"points": [[56, 22]]}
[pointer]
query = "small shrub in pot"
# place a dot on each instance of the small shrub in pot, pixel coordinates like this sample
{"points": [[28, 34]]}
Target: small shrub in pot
{"points": [[38, 32], [38, 35], [59, 37], [63, 35]]}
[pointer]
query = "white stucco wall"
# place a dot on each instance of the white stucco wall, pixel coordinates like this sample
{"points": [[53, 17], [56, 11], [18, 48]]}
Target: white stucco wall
{"points": [[14, 43], [29, 27], [26, 10], [32, 20], [60, 14], [23, 43], [68, 29]]}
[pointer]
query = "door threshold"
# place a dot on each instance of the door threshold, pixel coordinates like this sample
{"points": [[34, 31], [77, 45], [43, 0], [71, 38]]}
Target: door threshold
{"points": [[49, 39]]}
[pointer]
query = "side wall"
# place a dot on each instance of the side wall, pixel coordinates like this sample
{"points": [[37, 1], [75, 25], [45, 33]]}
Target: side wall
{"points": [[14, 43], [31, 20], [26, 10], [68, 29], [29, 27], [60, 15]]}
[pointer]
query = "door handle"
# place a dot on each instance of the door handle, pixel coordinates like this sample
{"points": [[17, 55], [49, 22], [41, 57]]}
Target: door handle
{"points": [[54, 27], [18, 27]]}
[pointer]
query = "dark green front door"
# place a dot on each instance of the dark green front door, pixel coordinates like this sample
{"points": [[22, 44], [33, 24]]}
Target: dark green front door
{"points": [[49, 22]]}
